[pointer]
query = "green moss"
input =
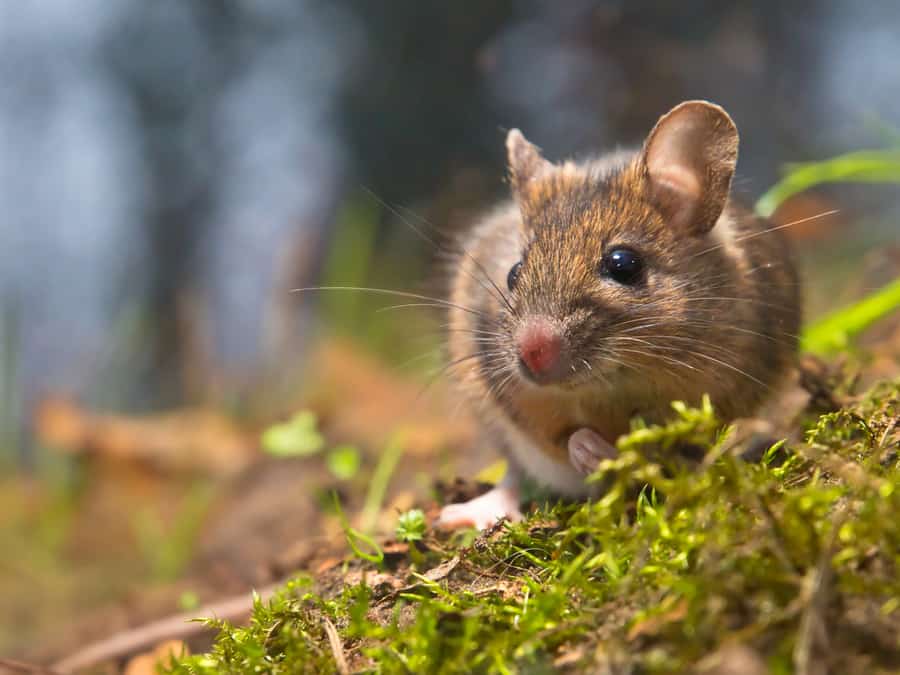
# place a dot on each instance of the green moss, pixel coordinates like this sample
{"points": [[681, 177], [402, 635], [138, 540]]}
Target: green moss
{"points": [[675, 562]]}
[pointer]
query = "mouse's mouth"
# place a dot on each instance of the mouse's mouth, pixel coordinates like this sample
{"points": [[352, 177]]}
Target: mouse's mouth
{"points": [[542, 378], [564, 375]]}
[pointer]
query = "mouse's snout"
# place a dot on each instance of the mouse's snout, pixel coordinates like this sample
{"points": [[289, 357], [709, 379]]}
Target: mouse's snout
{"points": [[540, 346]]}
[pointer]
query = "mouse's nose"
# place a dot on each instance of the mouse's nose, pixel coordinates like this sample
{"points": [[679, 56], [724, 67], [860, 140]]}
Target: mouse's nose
{"points": [[540, 345]]}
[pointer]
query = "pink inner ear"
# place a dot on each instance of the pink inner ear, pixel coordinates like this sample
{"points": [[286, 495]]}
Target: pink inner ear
{"points": [[677, 179]]}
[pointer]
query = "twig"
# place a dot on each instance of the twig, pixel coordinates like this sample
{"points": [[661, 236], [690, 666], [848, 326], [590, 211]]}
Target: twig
{"points": [[145, 637], [813, 632], [337, 648], [890, 427], [12, 666], [779, 545]]}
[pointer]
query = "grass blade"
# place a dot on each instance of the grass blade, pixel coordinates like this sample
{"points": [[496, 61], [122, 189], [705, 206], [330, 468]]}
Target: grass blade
{"points": [[833, 332], [865, 166]]}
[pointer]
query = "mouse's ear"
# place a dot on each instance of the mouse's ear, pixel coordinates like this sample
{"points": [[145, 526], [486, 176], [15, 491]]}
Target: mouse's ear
{"points": [[689, 159], [525, 160]]}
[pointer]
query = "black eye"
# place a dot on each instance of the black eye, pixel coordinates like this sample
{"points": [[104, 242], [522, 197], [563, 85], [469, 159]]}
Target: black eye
{"points": [[513, 275], [623, 266]]}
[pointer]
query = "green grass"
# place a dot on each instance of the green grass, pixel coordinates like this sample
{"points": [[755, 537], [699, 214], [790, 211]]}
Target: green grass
{"points": [[833, 332], [361, 256], [673, 563], [865, 166]]}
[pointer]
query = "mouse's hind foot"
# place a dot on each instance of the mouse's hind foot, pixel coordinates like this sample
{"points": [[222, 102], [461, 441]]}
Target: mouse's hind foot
{"points": [[498, 503]]}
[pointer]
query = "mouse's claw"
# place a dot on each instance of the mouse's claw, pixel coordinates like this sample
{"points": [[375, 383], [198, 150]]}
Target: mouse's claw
{"points": [[482, 512], [587, 448]]}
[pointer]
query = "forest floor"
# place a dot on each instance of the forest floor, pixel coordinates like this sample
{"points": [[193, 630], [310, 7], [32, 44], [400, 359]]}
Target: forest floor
{"points": [[757, 557]]}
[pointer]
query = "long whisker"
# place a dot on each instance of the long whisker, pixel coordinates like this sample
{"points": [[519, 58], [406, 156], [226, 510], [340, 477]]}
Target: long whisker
{"points": [[730, 366], [768, 230], [705, 323], [667, 359], [407, 305], [496, 292], [468, 357], [725, 353], [723, 298], [496, 391], [475, 331], [453, 364], [615, 361], [386, 291]]}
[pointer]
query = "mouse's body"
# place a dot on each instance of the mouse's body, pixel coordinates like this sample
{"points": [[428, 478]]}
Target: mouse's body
{"points": [[607, 289]]}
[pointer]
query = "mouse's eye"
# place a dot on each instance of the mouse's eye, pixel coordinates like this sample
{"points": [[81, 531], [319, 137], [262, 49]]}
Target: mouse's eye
{"points": [[513, 277], [623, 266]]}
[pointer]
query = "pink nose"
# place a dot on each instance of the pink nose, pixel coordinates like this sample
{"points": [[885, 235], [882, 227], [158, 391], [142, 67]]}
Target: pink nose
{"points": [[539, 346]]}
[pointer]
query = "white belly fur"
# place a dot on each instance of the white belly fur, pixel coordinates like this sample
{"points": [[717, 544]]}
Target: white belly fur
{"points": [[560, 477]]}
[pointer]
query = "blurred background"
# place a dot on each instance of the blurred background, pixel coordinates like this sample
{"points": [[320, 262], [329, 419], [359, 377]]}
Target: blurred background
{"points": [[170, 170]]}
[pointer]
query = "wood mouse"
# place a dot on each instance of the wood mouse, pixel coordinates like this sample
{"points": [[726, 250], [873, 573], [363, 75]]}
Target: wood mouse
{"points": [[604, 290]]}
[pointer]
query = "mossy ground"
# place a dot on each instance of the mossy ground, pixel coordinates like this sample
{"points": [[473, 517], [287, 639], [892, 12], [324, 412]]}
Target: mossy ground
{"points": [[790, 563]]}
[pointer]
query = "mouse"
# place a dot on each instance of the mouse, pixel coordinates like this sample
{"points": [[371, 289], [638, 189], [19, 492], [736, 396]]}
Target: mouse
{"points": [[602, 290]]}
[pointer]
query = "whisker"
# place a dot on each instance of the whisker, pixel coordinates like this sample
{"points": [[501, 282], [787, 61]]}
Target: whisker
{"points": [[651, 355], [462, 329], [407, 305], [730, 367], [453, 364], [725, 353], [722, 298], [387, 291], [497, 392], [768, 230], [497, 293]]}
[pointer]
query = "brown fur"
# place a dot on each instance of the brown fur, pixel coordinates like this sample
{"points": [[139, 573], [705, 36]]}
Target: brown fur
{"points": [[718, 314]]}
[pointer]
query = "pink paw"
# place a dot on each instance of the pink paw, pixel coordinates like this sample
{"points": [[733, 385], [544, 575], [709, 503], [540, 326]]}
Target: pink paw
{"points": [[483, 511], [587, 448]]}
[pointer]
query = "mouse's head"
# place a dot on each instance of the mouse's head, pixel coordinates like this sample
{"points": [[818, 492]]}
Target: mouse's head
{"points": [[611, 276]]}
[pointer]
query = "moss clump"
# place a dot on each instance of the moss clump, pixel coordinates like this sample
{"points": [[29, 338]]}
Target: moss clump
{"points": [[794, 558]]}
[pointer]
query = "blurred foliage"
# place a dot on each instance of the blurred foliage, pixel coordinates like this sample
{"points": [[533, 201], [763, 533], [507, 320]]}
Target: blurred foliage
{"points": [[188, 601], [298, 437], [349, 263], [344, 461], [366, 262], [381, 477], [362, 545], [833, 332], [167, 547], [866, 166]]}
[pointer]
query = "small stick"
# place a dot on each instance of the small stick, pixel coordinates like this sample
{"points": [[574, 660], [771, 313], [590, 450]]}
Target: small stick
{"points": [[13, 666], [145, 637], [812, 635], [337, 649]]}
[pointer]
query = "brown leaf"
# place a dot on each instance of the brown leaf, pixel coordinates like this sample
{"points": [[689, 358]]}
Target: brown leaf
{"points": [[163, 654], [732, 659], [191, 439], [652, 625], [443, 570]]}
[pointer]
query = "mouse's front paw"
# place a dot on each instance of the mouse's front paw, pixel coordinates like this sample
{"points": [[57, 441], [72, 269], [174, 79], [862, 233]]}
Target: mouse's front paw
{"points": [[587, 448], [483, 511]]}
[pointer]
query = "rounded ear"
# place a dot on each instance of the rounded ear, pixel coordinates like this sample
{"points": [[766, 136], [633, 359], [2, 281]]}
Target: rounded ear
{"points": [[525, 160], [689, 159]]}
